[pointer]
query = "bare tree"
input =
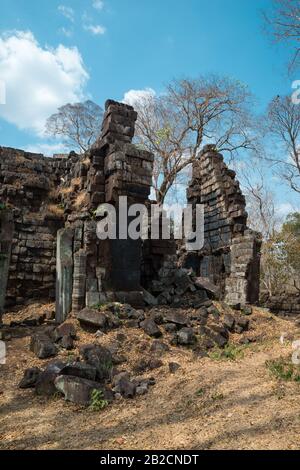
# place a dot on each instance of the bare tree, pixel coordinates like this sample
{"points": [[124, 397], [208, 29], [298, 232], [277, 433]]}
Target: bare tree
{"points": [[78, 124], [191, 113], [254, 176], [284, 25], [261, 208], [284, 125]]}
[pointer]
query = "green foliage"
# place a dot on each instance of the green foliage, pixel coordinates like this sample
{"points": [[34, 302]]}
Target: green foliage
{"points": [[231, 352], [2, 206], [163, 135], [281, 256], [114, 307], [99, 306], [292, 224], [93, 214], [283, 369], [71, 357], [291, 240], [97, 402]]}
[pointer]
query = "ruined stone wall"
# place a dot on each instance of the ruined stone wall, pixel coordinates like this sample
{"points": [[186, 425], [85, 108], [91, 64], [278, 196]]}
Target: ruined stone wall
{"points": [[29, 193], [6, 237], [48, 239], [105, 269], [230, 255], [287, 303]]}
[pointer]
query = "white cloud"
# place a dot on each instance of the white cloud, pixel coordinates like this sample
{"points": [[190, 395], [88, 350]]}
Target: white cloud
{"points": [[38, 80], [47, 149], [98, 4], [95, 29], [132, 97], [67, 12]]}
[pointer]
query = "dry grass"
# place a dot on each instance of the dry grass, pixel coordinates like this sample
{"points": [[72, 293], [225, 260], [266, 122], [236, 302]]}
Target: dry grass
{"points": [[54, 210], [75, 182], [86, 161], [66, 191], [206, 404], [81, 200]]}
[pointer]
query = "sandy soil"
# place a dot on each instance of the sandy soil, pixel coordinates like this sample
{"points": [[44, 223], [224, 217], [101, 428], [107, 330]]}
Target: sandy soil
{"points": [[207, 404]]}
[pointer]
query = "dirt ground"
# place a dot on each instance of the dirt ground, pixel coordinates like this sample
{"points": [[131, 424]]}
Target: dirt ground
{"points": [[207, 404]]}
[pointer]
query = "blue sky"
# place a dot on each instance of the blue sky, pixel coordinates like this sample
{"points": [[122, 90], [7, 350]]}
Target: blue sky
{"points": [[72, 49]]}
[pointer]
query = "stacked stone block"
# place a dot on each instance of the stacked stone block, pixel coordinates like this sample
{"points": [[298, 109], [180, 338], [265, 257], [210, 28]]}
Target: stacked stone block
{"points": [[6, 236], [109, 269], [230, 256], [26, 183], [287, 303]]}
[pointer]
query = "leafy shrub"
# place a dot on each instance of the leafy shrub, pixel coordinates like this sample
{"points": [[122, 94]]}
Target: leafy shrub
{"points": [[283, 369], [231, 352], [97, 402]]}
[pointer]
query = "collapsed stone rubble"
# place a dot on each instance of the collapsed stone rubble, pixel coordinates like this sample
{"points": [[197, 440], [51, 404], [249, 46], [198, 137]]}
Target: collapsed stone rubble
{"points": [[49, 248], [105, 367]]}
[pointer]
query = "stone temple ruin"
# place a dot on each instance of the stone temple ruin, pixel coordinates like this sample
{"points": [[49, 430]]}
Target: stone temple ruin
{"points": [[48, 242]]}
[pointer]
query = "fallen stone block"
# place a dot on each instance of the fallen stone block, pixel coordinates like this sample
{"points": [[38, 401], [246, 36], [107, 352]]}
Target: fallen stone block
{"points": [[174, 316], [149, 298], [229, 321], [123, 385], [212, 290], [212, 310], [93, 318], [220, 329], [42, 346], [79, 390], [217, 338], [186, 336], [118, 376], [45, 382], [30, 377], [65, 329], [241, 325], [81, 370], [246, 309], [199, 299], [149, 326], [67, 343], [145, 364], [99, 357], [159, 347], [170, 327], [173, 367], [142, 389]]}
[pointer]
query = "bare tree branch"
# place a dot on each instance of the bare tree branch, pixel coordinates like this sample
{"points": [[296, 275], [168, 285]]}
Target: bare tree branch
{"points": [[283, 124], [284, 25], [78, 124], [189, 114]]}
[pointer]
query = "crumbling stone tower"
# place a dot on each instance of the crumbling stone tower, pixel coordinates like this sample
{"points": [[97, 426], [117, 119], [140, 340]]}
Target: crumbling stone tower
{"points": [[230, 257], [89, 270]]}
